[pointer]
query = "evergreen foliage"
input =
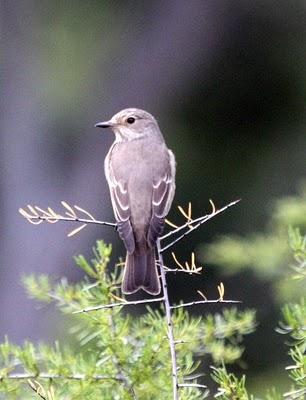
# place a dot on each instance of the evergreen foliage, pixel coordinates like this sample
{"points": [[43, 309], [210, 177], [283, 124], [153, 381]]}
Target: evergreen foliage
{"points": [[117, 355], [267, 253], [293, 324]]}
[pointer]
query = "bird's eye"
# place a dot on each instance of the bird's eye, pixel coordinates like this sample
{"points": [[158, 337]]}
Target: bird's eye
{"points": [[130, 120]]}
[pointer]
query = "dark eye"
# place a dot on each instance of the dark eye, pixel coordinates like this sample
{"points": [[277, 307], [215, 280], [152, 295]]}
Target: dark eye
{"points": [[130, 120]]}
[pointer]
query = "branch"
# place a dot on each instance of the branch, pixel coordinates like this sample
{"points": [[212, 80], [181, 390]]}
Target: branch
{"points": [[36, 215], [117, 361], [198, 221], [76, 377], [189, 268], [190, 222], [175, 270], [169, 323], [120, 304], [193, 303]]}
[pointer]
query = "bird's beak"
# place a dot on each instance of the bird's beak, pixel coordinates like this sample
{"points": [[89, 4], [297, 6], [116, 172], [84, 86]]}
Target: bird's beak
{"points": [[106, 124]]}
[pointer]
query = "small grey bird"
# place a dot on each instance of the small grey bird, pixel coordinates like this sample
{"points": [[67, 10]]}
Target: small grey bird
{"points": [[140, 171]]}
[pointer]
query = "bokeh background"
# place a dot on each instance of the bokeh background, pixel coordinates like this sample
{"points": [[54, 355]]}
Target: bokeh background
{"points": [[227, 82]]}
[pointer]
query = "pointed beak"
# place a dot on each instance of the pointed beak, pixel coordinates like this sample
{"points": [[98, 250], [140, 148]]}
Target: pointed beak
{"points": [[106, 124]]}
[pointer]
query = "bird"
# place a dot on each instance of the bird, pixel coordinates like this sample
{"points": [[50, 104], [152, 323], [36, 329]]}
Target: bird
{"points": [[140, 172]]}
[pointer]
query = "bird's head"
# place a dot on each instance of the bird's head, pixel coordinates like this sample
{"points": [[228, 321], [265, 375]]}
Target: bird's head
{"points": [[131, 124]]}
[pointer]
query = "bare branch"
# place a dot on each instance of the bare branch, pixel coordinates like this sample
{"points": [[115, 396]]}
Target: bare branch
{"points": [[120, 304], [194, 303], [198, 221], [192, 268], [169, 323], [36, 215], [186, 271]]}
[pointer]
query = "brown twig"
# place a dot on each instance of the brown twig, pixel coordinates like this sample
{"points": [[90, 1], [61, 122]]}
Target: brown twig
{"points": [[37, 215]]}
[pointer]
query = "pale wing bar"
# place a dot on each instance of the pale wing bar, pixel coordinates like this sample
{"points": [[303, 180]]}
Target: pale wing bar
{"points": [[161, 198], [120, 202]]}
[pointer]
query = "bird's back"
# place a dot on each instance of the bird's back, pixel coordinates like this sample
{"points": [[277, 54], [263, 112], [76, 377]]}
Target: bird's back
{"points": [[138, 164]]}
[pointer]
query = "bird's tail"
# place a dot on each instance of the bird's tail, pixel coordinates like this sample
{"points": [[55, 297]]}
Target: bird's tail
{"points": [[140, 272]]}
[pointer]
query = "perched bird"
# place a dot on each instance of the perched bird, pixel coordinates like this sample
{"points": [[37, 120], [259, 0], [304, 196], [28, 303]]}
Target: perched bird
{"points": [[140, 171]]}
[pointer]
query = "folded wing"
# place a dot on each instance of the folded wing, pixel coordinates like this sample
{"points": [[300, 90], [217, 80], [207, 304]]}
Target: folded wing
{"points": [[122, 211], [163, 193]]}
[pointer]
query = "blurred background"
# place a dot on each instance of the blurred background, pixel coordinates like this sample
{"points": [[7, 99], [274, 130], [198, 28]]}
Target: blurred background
{"points": [[227, 83]]}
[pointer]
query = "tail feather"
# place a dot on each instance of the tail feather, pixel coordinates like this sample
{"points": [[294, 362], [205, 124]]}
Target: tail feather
{"points": [[141, 272]]}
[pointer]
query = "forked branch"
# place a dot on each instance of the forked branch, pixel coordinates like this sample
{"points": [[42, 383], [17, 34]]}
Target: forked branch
{"points": [[37, 215]]}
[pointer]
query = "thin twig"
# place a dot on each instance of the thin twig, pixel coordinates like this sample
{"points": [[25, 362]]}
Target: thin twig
{"points": [[196, 385], [76, 377], [193, 303], [36, 389], [51, 216], [186, 271], [70, 219], [198, 221], [214, 212], [119, 304], [170, 326]]}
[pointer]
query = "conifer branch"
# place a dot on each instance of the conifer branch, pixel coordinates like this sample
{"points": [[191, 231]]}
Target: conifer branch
{"points": [[75, 377], [169, 325], [37, 215], [117, 361]]}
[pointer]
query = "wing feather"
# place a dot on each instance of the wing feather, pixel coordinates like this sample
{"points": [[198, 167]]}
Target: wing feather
{"points": [[120, 202], [163, 193]]}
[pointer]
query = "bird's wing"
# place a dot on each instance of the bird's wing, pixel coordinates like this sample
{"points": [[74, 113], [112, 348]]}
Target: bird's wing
{"points": [[163, 193], [122, 211]]}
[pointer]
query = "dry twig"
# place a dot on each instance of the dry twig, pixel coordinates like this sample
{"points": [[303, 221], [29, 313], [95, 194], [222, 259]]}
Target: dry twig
{"points": [[37, 215]]}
